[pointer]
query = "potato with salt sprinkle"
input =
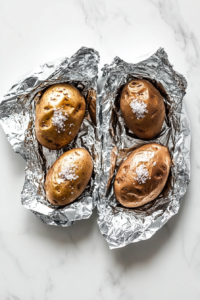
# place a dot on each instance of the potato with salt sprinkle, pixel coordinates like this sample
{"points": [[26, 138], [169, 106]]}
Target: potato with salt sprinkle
{"points": [[142, 108], [59, 115], [143, 175], [68, 176]]}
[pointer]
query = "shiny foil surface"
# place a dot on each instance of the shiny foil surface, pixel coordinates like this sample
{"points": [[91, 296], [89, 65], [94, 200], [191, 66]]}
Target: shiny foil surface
{"points": [[17, 117], [119, 225]]}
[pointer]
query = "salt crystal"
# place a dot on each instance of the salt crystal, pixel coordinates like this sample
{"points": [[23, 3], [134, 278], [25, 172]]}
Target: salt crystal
{"points": [[69, 173], [142, 174], [70, 132], [138, 108], [59, 119], [154, 164]]}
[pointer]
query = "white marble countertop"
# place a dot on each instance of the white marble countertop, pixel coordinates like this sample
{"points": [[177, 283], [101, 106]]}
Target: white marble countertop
{"points": [[40, 262]]}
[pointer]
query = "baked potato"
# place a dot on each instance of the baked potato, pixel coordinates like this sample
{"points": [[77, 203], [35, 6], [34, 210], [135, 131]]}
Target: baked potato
{"points": [[91, 99], [143, 175], [142, 108], [59, 115], [68, 177]]}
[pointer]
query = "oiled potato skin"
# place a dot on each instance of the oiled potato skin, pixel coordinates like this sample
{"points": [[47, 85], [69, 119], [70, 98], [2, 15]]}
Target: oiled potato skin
{"points": [[59, 190], [128, 191], [150, 125], [91, 99], [69, 102]]}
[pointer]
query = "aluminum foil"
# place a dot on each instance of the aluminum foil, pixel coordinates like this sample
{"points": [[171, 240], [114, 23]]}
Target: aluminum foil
{"points": [[122, 226], [17, 116]]}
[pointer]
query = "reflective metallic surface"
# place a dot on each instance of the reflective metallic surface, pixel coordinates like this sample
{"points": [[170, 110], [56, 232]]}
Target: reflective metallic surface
{"points": [[17, 115], [122, 226]]}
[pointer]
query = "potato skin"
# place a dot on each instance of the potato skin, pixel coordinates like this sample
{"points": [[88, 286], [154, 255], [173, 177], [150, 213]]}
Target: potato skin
{"points": [[91, 99], [128, 191], [150, 125], [68, 101], [61, 191]]}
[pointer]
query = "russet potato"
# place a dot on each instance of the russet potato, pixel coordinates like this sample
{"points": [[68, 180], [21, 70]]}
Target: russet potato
{"points": [[143, 175], [91, 99], [68, 176], [142, 108], [59, 115]]}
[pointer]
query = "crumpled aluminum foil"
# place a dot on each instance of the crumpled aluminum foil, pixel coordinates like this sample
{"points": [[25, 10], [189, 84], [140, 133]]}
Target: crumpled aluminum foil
{"points": [[122, 226], [17, 115]]}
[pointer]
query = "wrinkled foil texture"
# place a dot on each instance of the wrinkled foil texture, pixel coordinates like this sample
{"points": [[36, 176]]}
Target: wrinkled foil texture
{"points": [[17, 117], [121, 226]]}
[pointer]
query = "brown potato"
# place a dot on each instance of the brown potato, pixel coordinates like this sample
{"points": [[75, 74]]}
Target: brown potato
{"points": [[68, 176], [142, 176], [59, 114], [91, 99], [142, 108]]}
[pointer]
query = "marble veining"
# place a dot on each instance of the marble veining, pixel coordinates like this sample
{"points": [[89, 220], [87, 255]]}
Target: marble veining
{"points": [[42, 262]]}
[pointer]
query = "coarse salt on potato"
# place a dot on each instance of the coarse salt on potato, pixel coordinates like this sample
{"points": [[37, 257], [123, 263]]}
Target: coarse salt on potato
{"points": [[142, 108], [59, 115], [143, 175], [68, 176]]}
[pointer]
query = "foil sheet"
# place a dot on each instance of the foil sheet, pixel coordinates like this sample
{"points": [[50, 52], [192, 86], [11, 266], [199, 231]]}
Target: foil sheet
{"points": [[121, 226], [17, 117]]}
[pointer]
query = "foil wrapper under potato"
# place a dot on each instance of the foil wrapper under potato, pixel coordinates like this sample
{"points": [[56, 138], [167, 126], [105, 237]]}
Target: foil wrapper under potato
{"points": [[17, 117], [119, 225]]}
